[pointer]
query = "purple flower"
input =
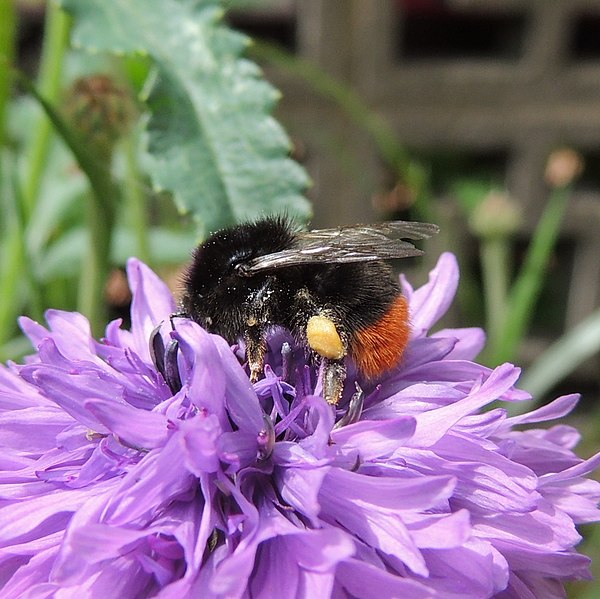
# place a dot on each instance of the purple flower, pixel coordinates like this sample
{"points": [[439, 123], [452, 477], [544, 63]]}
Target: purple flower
{"points": [[147, 465]]}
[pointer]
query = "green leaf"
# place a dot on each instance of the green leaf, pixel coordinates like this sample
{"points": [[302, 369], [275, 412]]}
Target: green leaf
{"points": [[528, 285], [212, 140], [63, 257], [563, 357]]}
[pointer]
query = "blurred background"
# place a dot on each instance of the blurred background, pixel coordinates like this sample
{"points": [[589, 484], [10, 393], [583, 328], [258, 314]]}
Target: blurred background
{"points": [[423, 109], [477, 92], [480, 115]]}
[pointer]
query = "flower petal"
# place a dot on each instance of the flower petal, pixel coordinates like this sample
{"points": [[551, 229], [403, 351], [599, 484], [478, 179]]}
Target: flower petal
{"points": [[469, 342], [150, 429], [126, 474], [374, 439], [151, 303], [241, 400], [431, 426], [199, 437], [430, 302], [150, 485], [364, 581], [48, 422]]}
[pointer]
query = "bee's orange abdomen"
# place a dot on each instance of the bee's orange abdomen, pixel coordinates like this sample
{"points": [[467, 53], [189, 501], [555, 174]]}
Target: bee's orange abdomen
{"points": [[380, 346]]}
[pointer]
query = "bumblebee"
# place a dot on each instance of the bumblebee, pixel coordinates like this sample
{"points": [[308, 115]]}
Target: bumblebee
{"points": [[331, 288]]}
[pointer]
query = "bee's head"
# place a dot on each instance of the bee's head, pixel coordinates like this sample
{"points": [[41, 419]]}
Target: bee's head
{"points": [[216, 288]]}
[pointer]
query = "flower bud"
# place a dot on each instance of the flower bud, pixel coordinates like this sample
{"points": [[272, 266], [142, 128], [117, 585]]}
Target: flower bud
{"points": [[563, 167], [498, 215], [100, 109]]}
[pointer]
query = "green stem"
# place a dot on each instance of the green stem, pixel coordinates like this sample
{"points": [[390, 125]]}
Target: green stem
{"points": [[16, 272], [136, 199], [7, 53], [101, 212], [562, 358], [15, 259], [11, 237], [56, 38], [528, 285], [16, 275], [494, 264], [10, 270], [36, 309], [96, 263]]}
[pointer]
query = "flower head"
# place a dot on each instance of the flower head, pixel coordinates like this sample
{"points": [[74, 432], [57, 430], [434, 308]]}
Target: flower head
{"points": [[147, 464]]}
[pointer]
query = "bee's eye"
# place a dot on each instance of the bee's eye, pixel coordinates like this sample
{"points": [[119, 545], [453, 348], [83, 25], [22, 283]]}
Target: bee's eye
{"points": [[241, 269], [236, 262]]}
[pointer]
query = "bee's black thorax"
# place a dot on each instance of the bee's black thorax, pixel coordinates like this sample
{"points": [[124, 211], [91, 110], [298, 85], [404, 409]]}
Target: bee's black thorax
{"points": [[220, 297], [216, 294], [331, 288]]}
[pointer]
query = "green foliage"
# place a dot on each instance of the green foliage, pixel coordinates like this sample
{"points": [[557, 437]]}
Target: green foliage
{"points": [[530, 279], [494, 218], [79, 194], [212, 141], [564, 356]]}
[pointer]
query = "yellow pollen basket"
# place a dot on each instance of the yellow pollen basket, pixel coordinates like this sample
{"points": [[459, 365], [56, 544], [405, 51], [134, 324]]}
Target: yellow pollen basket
{"points": [[322, 337]]}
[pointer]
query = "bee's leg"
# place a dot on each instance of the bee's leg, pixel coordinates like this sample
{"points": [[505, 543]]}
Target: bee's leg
{"points": [[256, 348], [324, 340], [319, 327], [258, 318], [334, 376]]}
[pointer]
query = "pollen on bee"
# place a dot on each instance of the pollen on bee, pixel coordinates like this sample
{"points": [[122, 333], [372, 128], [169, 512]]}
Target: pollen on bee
{"points": [[380, 346], [323, 338]]}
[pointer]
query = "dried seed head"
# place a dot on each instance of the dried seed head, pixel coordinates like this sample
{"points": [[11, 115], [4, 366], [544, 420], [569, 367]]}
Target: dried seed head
{"points": [[498, 215], [563, 167], [100, 109]]}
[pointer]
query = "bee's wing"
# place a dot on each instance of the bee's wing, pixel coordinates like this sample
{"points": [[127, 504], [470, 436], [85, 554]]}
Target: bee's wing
{"points": [[359, 243]]}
